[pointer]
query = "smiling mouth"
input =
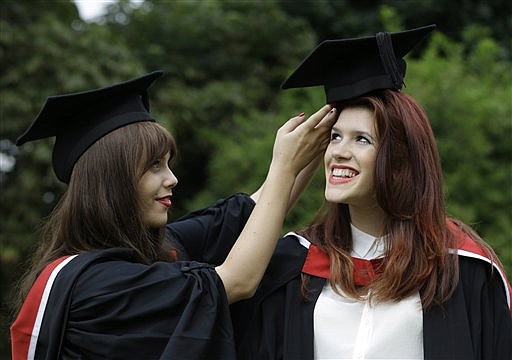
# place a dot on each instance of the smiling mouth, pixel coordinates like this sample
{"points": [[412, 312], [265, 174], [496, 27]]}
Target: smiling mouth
{"points": [[165, 201], [343, 173]]}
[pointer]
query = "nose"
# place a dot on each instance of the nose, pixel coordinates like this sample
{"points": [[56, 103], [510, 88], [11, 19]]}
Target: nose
{"points": [[170, 180], [340, 150]]}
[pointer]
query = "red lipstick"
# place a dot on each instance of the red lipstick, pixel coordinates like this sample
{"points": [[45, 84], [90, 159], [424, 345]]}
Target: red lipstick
{"points": [[165, 201]]}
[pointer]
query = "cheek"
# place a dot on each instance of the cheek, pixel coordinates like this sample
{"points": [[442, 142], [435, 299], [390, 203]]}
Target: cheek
{"points": [[370, 157], [327, 156], [370, 166], [145, 189]]}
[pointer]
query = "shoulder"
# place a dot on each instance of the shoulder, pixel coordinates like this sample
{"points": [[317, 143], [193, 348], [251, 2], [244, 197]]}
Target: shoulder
{"points": [[291, 248], [476, 266], [286, 262], [285, 265]]}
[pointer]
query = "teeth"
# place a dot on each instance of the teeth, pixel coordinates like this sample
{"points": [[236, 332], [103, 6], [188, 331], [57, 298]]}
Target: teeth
{"points": [[343, 173]]}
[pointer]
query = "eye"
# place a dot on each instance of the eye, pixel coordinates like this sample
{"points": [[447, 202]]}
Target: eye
{"points": [[335, 137], [363, 140], [156, 164]]}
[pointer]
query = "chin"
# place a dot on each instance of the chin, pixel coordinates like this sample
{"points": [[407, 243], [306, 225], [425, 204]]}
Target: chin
{"points": [[157, 226], [157, 223], [335, 198]]}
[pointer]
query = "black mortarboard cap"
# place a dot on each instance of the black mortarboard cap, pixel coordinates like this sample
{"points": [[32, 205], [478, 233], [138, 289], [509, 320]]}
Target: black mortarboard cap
{"points": [[78, 120], [348, 68]]}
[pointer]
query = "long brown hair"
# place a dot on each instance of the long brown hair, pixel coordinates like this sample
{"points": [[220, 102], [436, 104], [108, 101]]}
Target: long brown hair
{"points": [[99, 209], [408, 185]]}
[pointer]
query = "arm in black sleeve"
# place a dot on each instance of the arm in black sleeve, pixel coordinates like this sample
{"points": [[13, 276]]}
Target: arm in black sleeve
{"points": [[207, 235]]}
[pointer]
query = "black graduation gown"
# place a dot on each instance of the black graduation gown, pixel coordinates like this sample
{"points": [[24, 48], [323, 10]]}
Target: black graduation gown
{"points": [[278, 324], [103, 305]]}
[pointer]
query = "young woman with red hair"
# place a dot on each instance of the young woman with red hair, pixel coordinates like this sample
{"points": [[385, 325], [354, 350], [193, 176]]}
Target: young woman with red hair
{"points": [[383, 272]]}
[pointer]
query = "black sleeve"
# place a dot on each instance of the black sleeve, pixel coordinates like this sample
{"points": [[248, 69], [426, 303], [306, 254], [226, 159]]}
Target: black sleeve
{"points": [[123, 310], [475, 323], [207, 235], [489, 314]]}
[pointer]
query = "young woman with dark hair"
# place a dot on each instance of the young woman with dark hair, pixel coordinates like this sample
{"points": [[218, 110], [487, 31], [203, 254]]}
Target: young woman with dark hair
{"points": [[104, 282], [112, 217]]}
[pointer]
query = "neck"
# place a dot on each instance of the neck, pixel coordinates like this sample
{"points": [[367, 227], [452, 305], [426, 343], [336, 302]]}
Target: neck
{"points": [[368, 219]]}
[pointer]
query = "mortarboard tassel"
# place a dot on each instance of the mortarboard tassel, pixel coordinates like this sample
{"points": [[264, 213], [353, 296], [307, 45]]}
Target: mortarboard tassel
{"points": [[388, 58]]}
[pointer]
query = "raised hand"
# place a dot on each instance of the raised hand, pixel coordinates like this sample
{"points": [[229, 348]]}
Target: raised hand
{"points": [[298, 142]]}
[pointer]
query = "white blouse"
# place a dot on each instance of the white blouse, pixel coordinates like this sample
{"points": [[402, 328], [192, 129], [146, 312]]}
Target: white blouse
{"points": [[348, 329]]}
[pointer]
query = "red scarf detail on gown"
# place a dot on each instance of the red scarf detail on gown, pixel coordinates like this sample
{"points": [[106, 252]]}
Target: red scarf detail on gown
{"points": [[318, 264], [365, 271]]}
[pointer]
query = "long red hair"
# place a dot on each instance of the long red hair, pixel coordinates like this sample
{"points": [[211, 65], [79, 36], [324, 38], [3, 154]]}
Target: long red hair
{"points": [[408, 185]]}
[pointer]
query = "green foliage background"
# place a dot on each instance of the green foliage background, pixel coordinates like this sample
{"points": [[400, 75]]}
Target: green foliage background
{"points": [[224, 62]]}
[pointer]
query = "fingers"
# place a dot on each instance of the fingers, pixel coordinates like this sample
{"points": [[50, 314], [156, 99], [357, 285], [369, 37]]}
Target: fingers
{"points": [[324, 116], [298, 141], [291, 124], [328, 120]]}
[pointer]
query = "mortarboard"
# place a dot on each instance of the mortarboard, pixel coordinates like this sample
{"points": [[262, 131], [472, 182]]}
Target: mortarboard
{"points": [[78, 120], [348, 68]]}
